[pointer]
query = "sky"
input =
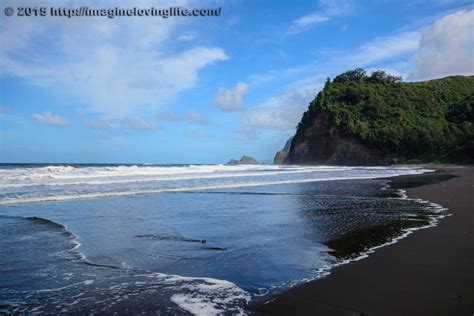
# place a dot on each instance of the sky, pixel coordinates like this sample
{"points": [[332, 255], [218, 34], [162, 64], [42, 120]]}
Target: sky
{"points": [[203, 89]]}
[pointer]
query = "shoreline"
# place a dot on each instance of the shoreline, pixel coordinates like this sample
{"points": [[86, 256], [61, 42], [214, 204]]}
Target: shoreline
{"points": [[426, 273]]}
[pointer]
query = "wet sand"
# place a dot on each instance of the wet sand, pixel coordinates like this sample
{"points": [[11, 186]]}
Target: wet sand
{"points": [[431, 272]]}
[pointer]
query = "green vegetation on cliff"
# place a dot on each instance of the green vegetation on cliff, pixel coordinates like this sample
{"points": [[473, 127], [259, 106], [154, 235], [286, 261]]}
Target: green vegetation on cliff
{"points": [[431, 121]]}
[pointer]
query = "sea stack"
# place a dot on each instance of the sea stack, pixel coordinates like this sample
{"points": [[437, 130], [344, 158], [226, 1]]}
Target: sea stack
{"points": [[245, 160]]}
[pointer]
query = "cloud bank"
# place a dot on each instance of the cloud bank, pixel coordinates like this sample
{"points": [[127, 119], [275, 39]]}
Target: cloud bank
{"points": [[47, 118], [116, 67], [229, 100], [446, 48]]}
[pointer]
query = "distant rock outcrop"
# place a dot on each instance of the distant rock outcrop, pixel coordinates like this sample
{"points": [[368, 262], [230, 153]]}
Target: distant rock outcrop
{"points": [[245, 160], [233, 162], [281, 156]]}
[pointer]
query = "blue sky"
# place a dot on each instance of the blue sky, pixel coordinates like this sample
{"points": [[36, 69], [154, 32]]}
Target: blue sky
{"points": [[203, 89]]}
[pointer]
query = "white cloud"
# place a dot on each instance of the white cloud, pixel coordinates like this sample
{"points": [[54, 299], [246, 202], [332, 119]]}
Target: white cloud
{"points": [[246, 133], [194, 117], [117, 67], [169, 116], [198, 132], [308, 20], [382, 48], [373, 54], [329, 9], [276, 74], [282, 112], [48, 118], [104, 125], [186, 37], [231, 100], [127, 124], [302, 23], [140, 124], [336, 7], [446, 48]]}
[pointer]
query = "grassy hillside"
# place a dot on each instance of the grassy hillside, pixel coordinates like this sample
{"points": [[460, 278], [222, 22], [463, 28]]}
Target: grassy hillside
{"points": [[431, 121]]}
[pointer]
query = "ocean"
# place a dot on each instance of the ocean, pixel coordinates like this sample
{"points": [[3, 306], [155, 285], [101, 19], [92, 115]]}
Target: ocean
{"points": [[188, 239]]}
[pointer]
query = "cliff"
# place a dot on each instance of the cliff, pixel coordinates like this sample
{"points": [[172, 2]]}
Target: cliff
{"points": [[378, 120], [325, 145], [281, 157]]}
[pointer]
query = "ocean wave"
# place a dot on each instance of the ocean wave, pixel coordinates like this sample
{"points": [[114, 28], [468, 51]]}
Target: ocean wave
{"points": [[73, 239], [70, 172], [200, 296], [197, 295], [58, 169], [135, 180], [94, 195]]}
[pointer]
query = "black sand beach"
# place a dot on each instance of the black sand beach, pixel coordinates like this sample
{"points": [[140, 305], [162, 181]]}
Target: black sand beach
{"points": [[428, 273]]}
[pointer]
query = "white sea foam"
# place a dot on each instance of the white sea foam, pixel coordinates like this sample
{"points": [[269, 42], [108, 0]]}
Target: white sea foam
{"points": [[154, 191], [200, 296], [439, 212], [62, 183], [69, 172], [194, 305], [207, 296], [197, 295], [191, 176]]}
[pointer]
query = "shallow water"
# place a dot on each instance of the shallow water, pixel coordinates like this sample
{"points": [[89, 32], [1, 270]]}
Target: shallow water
{"points": [[152, 239]]}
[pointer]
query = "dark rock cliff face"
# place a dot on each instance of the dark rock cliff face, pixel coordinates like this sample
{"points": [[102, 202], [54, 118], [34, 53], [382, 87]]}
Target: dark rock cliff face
{"points": [[321, 144], [288, 144], [281, 157]]}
